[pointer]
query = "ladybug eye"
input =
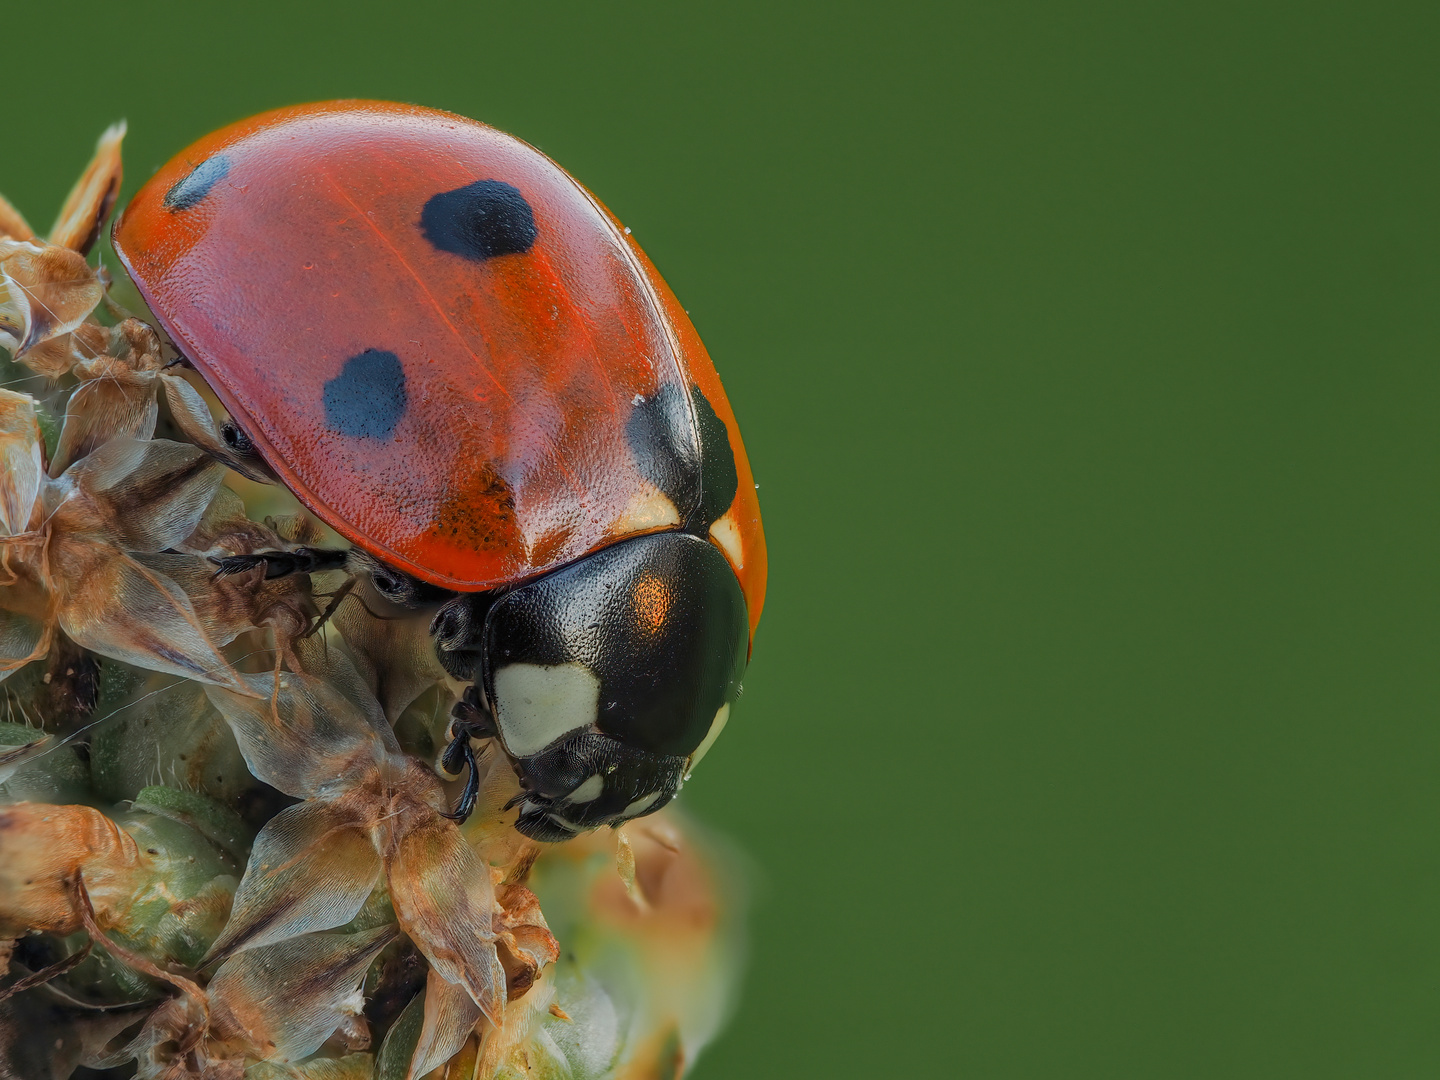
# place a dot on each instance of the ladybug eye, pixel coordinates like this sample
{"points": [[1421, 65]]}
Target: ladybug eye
{"points": [[242, 454], [398, 587], [236, 439], [389, 583], [451, 626]]}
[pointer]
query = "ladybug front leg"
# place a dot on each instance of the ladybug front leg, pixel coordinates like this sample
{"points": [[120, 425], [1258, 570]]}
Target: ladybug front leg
{"points": [[471, 794], [469, 719]]}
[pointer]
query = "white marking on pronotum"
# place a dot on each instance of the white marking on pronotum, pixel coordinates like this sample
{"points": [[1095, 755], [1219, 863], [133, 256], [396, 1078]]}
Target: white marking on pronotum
{"points": [[589, 791], [640, 805], [716, 726], [535, 704]]}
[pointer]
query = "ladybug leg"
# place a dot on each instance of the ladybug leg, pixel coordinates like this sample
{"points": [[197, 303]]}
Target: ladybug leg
{"points": [[466, 806], [281, 563], [469, 719], [470, 715], [454, 761]]}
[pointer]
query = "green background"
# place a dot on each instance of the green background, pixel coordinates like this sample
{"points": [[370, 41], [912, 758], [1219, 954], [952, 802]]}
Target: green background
{"points": [[1086, 354]]}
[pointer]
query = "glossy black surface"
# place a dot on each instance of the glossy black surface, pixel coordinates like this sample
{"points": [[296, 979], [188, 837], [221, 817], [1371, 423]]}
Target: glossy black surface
{"points": [[630, 775], [658, 619], [689, 460], [718, 478]]}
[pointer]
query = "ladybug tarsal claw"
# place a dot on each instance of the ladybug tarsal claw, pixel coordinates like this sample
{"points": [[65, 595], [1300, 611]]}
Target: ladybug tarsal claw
{"points": [[461, 752], [469, 719]]}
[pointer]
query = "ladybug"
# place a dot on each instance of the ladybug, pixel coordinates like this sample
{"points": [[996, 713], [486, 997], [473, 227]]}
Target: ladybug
{"points": [[457, 357]]}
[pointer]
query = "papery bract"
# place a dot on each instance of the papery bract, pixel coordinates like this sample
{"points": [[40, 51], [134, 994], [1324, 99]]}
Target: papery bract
{"points": [[92, 198], [73, 569], [310, 741], [49, 291], [349, 1067], [56, 357], [285, 1000], [13, 225], [22, 461], [311, 868], [116, 395], [450, 1018], [302, 736], [141, 495], [445, 902], [12, 757]]}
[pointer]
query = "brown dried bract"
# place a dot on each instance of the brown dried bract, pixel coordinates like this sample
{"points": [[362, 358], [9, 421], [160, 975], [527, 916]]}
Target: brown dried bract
{"points": [[92, 199], [13, 225], [370, 810], [48, 850], [49, 291], [73, 568]]}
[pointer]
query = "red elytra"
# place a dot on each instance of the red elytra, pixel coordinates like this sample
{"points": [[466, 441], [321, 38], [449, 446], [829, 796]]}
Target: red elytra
{"points": [[309, 262]]}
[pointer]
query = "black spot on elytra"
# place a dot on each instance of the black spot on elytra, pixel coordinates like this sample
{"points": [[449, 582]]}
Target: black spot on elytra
{"points": [[699, 479], [185, 193], [660, 436], [480, 220], [718, 478], [367, 398]]}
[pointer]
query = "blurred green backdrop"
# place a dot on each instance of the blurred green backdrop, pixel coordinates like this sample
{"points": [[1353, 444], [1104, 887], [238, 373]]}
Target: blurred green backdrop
{"points": [[1087, 356]]}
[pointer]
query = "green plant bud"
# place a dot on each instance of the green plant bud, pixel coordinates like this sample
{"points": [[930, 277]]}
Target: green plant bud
{"points": [[393, 1061], [160, 729], [653, 945], [221, 826], [183, 906], [653, 950], [53, 774]]}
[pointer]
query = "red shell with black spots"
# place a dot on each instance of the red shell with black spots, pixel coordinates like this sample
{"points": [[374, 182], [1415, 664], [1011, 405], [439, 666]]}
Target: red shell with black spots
{"points": [[448, 348]]}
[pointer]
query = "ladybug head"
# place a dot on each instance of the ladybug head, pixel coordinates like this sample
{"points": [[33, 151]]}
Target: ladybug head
{"points": [[607, 679]]}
